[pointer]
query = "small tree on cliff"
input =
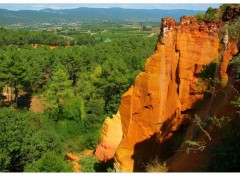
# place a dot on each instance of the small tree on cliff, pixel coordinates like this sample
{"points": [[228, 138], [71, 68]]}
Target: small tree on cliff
{"points": [[156, 166], [211, 14], [200, 17]]}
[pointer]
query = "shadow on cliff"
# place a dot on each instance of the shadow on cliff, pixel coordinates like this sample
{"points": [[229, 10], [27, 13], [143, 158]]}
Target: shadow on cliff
{"points": [[158, 145], [163, 146], [104, 166], [165, 143]]}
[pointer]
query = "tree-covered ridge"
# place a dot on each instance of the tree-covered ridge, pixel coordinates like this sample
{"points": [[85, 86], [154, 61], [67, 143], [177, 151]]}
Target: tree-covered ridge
{"points": [[23, 37]]}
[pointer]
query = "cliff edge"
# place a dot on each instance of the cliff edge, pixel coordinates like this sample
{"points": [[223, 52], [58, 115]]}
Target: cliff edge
{"points": [[156, 107]]}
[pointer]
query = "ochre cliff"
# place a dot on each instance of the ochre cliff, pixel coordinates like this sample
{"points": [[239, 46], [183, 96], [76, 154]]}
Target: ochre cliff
{"points": [[155, 107], [166, 87], [111, 135]]}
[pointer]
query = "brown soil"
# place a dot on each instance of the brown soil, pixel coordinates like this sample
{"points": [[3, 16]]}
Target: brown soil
{"points": [[37, 104], [75, 158], [75, 161]]}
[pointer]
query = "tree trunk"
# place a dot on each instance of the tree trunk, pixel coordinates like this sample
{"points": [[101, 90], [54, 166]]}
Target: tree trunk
{"points": [[2, 96], [11, 92], [16, 97]]}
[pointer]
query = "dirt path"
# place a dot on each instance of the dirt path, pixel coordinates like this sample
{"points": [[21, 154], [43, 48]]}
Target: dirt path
{"points": [[151, 35], [75, 158], [75, 161]]}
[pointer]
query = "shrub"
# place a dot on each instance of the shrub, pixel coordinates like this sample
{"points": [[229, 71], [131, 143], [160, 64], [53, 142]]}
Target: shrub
{"points": [[225, 157], [207, 75], [91, 140], [156, 166], [211, 14], [236, 65], [50, 162], [208, 71], [200, 17], [24, 139], [71, 109], [233, 28], [220, 122], [88, 163]]}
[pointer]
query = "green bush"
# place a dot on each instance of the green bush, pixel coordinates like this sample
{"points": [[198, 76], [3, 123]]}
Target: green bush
{"points": [[42, 140], [208, 71], [156, 166], [236, 65], [200, 17], [24, 138], [225, 157], [72, 133], [208, 78], [88, 163], [13, 131], [75, 135], [233, 28], [91, 139], [211, 15], [104, 166], [50, 162], [71, 109]]}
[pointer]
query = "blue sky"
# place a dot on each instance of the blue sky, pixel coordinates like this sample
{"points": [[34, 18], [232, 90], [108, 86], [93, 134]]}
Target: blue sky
{"points": [[194, 6]]}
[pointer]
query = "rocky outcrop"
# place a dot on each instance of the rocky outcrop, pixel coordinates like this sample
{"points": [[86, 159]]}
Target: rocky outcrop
{"points": [[111, 135], [228, 52], [155, 107], [167, 88]]}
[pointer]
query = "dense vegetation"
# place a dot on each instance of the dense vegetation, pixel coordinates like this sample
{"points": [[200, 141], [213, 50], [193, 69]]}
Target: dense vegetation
{"points": [[23, 37], [80, 85], [81, 81], [26, 138], [224, 155]]}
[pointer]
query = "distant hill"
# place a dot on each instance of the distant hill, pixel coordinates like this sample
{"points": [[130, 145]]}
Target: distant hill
{"points": [[8, 17]]}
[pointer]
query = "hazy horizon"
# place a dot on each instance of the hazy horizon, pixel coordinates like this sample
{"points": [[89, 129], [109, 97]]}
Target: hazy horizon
{"points": [[195, 6]]}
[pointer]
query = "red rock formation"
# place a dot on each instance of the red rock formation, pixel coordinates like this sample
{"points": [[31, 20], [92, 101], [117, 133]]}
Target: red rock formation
{"points": [[111, 135], [151, 109], [167, 86], [229, 51]]}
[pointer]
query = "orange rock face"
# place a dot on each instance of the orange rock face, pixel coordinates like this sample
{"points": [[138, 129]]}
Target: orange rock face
{"points": [[166, 87], [229, 52], [111, 135], [151, 110]]}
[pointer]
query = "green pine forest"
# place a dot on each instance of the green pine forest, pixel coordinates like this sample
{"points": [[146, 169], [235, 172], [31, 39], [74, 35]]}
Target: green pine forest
{"points": [[80, 83]]}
